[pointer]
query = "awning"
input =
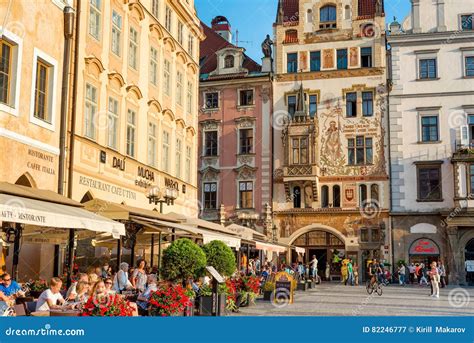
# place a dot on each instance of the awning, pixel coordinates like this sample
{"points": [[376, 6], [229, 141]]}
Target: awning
{"points": [[300, 250], [245, 232], [232, 242], [17, 209], [270, 247]]}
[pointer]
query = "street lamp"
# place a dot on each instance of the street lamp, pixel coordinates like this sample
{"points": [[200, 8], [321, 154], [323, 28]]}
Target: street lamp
{"points": [[156, 196]]}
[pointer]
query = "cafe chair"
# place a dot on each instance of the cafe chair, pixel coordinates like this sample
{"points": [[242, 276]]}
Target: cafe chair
{"points": [[30, 307], [20, 310]]}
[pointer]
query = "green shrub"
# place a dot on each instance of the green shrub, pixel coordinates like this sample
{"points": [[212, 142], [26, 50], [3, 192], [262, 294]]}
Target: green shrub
{"points": [[221, 257], [183, 259]]}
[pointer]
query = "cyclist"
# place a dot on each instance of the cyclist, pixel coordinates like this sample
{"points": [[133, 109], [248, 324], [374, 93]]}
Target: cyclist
{"points": [[373, 268]]}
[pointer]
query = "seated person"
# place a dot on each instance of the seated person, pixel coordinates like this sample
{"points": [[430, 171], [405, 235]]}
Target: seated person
{"points": [[108, 286], [71, 292], [143, 298], [82, 292], [49, 299], [99, 289], [9, 287]]}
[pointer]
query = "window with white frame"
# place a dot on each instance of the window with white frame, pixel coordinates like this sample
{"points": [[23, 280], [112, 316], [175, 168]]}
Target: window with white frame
{"points": [[210, 195], [167, 77], [246, 194], [90, 111], [471, 179], [190, 97], [155, 8], [9, 72], [165, 162], [469, 66], [245, 141], [131, 129], [212, 100], [246, 97], [178, 160], [152, 148], [429, 124], [467, 22], [168, 16], [180, 32], [113, 123], [116, 33], [94, 18], [188, 165], [191, 44], [210, 143], [299, 150], [133, 49], [360, 150], [179, 88], [153, 66]]}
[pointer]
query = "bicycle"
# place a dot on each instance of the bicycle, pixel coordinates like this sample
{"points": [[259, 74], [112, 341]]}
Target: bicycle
{"points": [[372, 286]]}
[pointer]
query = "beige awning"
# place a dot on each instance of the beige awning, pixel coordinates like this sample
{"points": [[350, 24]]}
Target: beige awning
{"points": [[246, 232], [17, 209], [270, 247]]}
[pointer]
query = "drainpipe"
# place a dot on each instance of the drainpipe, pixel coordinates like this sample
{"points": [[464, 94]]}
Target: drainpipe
{"points": [[74, 102], [68, 34]]}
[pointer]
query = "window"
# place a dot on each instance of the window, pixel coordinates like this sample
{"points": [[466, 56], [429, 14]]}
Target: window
{"points": [[155, 8], [168, 15], [292, 63], [5, 71], [246, 194], [315, 61], [309, 16], [366, 57], [347, 12], [299, 150], [210, 143], [351, 104], [375, 233], [179, 88], [428, 68], [180, 32], [291, 105], [190, 97], [191, 44], [362, 195], [327, 14], [165, 163], [212, 100], [131, 127], [116, 33], [113, 123], [229, 61], [364, 235], [210, 195], [342, 59], [178, 158], [367, 104], [167, 77], [324, 196], [471, 179], [152, 144], [336, 196], [153, 66], [246, 141], [296, 197], [90, 111], [360, 150], [467, 22], [94, 18], [469, 65], [133, 49], [246, 97], [188, 163], [429, 183], [429, 129], [313, 105]]}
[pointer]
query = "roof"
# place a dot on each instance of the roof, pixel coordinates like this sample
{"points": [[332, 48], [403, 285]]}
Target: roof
{"points": [[367, 8], [213, 43], [289, 11]]}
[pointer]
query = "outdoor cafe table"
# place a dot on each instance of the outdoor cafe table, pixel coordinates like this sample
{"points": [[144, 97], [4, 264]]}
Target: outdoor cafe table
{"points": [[56, 313]]}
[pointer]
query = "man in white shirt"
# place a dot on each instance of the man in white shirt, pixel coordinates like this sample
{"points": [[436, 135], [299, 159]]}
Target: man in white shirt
{"points": [[50, 298], [314, 267]]}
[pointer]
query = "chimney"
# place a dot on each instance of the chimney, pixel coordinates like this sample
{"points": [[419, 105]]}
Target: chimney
{"points": [[415, 16], [221, 26]]}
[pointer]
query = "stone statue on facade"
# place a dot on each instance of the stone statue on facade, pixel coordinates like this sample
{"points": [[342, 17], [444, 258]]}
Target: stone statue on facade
{"points": [[267, 47]]}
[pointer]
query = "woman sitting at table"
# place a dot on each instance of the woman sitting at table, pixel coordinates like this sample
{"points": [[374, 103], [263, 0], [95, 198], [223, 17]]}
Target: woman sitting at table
{"points": [[144, 297], [139, 276], [82, 292], [121, 282], [108, 286], [99, 289], [49, 299]]}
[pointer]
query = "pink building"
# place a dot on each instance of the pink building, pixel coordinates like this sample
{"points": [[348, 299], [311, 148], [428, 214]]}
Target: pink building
{"points": [[235, 132]]}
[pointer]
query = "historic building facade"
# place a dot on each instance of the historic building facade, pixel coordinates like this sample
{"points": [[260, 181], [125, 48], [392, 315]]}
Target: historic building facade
{"points": [[431, 135], [331, 190], [135, 114], [235, 142]]}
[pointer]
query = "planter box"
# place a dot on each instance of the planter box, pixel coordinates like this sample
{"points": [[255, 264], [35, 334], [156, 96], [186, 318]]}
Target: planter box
{"points": [[267, 295], [205, 305], [302, 286]]}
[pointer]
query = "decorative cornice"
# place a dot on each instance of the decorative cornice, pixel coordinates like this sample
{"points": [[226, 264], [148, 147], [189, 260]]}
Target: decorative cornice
{"points": [[332, 74]]}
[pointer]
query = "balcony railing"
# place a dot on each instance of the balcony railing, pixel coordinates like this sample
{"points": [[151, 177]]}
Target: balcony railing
{"points": [[464, 146]]}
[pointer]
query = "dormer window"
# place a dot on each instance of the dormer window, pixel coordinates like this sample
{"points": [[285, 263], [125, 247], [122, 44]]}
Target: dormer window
{"points": [[327, 17], [229, 61]]}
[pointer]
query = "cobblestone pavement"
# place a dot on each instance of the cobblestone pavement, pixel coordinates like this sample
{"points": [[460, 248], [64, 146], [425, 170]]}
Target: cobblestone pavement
{"points": [[340, 300]]}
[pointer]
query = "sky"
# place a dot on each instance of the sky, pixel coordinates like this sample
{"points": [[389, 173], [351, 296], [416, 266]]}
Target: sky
{"points": [[254, 18]]}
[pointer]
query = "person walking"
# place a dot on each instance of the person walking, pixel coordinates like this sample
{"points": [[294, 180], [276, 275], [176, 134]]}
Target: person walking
{"points": [[412, 269], [350, 272], [442, 274], [401, 274], [434, 276], [421, 275], [314, 267], [355, 268]]}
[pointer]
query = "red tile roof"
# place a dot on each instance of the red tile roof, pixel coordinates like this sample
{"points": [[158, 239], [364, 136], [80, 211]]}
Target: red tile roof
{"points": [[290, 11], [367, 8], [213, 43]]}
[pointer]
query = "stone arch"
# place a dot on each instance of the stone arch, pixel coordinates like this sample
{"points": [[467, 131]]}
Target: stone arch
{"points": [[180, 124], [168, 113], [181, 57], [117, 77], [155, 28], [94, 62], [26, 180], [318, 227], [137, 7], [169, 42], [191, 130], [153, 103], [135, 90], [192, 68]]}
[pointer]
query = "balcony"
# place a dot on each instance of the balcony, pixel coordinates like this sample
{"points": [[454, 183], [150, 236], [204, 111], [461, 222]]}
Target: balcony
{"points": [[464, 151]]}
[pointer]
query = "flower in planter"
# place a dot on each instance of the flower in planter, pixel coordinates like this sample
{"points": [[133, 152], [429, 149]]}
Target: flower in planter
{"points": [[112, 305], [168, 301]]}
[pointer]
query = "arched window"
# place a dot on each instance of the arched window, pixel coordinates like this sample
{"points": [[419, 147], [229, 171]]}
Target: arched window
{"points": [[309, 16], [324, 196], [229, 61], [347, 12], [362, 195], [374, 193], [296, 197], [327, 14], [336, 196]]}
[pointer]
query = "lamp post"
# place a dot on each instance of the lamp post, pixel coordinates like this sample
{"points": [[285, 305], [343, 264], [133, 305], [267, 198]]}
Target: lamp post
{"points": [[156, 196]]}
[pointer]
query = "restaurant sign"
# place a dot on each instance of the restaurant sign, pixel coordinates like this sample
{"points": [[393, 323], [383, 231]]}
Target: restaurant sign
{"points": [[424, 246]]}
